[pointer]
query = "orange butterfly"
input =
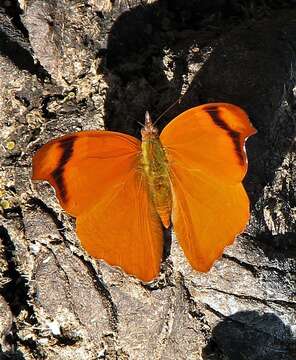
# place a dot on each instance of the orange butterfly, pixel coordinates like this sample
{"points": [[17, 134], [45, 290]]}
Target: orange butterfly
{"points": [[122, 190]]}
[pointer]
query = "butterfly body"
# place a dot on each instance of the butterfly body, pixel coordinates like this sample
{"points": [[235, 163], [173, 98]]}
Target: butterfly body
{"points": [[155, 169], [121, 189]]}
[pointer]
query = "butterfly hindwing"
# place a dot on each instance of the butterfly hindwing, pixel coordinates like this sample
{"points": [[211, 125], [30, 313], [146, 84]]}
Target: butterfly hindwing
{"points": [[97, 179], [207, 215], [130, 232], [207, 162]]}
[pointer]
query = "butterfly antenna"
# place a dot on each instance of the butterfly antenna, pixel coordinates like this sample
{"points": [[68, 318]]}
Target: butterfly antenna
{"points": [[139, 122], [178, 101]]}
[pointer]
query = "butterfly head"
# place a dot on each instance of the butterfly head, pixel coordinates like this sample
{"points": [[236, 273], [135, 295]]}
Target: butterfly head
{"points": [[149, 130]]}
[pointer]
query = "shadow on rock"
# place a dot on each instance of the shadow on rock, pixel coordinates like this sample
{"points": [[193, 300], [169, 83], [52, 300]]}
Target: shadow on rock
{"points": [[247, 335], [278, 247], [9, 355], [138, 43], [150, 50]]}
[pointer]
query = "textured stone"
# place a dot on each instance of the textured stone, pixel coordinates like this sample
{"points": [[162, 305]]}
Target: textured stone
{"points": [[99, 61]]}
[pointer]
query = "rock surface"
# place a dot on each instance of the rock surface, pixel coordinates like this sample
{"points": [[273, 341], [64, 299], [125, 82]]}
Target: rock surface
{"points": [[70, 66]]}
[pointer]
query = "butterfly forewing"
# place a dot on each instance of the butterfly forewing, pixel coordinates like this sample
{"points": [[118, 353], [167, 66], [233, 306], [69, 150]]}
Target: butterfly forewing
{"points": [[85, 165], [210, 138]]}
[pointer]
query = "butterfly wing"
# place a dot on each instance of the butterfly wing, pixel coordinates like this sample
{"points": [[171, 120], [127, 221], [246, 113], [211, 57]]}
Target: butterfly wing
{"points": [[207, 161], [84, 165], [124, 229], [97, 179]]}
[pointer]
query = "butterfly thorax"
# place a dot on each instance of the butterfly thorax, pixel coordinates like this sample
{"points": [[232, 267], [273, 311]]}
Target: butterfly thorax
{"points": [[155, 168]]}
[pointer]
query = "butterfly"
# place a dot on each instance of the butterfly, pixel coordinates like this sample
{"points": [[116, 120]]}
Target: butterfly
{"points": [[123, 191]]}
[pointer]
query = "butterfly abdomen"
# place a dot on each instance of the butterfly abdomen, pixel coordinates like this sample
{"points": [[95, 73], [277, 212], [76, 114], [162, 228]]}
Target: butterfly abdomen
{"points": [[155, 169]]}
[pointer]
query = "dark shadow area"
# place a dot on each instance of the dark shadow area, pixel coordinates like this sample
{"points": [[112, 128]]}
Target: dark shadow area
{"points": [[137, 42], [279, 247], [15, 294], [167, 238], [249, 65], [14, 12], [247, 335], [166, 270], [16, 290], [14, 43], [11, 355]]}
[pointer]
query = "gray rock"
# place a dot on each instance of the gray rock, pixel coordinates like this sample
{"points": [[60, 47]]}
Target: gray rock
{"points": [[94, 63]]}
